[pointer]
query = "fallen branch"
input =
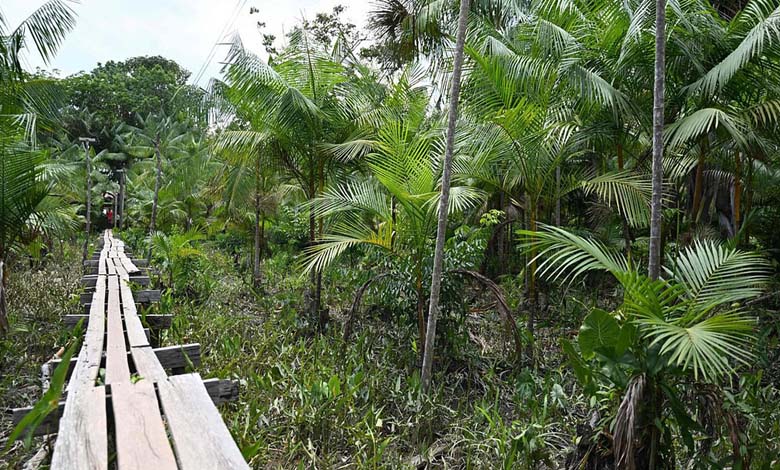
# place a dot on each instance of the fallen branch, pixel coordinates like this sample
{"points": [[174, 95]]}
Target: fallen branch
{"points": [[503, 307]]}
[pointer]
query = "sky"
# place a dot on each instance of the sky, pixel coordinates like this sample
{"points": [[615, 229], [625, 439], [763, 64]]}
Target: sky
{"points": [[181, 30]]}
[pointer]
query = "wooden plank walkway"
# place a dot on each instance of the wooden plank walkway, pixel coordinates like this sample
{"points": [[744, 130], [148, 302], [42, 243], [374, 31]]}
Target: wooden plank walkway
{"points": [[152, 420]]}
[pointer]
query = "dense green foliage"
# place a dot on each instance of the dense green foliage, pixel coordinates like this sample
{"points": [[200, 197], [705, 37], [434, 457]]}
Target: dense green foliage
{"points": [[290, 211]]}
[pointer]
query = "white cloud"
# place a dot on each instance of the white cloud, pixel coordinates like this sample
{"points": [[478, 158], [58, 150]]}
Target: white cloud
{"points": [[181, 30]]}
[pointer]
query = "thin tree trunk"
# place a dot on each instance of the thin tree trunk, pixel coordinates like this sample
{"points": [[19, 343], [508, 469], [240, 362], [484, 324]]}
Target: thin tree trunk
{"points": [[322, 313], [89, 201], [698, 185], [558, 196], [256, 253], [122, 191], [3, 305], [658, 139], [627, 235], [748, 197], [737, 194], [421, 323], [533, 294], [155, 199], [312, 307], [441, 231], [263, 244]]}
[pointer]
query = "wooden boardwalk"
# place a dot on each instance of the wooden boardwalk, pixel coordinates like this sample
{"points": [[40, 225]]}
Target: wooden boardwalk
{"points": [[150, 420]]}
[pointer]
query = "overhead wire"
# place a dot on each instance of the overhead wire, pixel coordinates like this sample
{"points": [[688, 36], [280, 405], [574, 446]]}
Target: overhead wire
{"points": [[240, 4]]}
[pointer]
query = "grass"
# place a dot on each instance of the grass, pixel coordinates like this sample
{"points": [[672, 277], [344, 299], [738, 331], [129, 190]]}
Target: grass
{"points": [[313, 400], [38, 296]]}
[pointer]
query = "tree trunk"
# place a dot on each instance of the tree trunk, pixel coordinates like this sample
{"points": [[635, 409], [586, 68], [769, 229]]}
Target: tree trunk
{"points": [[441, 231], [658, 139], [533, 294], [256, 252], [312, 308], [421, 323], [558, 195], [122, 191], [322, 314], [748, 198], [155, 199], [628, 237], [698, 185], [3, 305], [737, 194], [89, 201]]}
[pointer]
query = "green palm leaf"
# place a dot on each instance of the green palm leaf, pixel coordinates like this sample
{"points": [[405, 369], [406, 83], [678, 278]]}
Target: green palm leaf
{"points": [[713, 274]]}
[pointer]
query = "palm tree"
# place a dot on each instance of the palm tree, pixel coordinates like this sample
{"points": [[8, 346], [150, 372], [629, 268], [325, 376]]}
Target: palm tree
{"points": [[530, 90], [294, 108], [21, 191], [441, 230], [395, 209], [246, 179], [21, 103], [654, 267], [156, 135], [668, 333]]}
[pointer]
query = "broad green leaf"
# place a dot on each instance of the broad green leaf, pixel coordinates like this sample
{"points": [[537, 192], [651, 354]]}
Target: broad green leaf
{"points": [[600, 332]]}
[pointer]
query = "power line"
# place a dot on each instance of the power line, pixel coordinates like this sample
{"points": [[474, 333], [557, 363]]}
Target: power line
{"points": [[225, 28]]}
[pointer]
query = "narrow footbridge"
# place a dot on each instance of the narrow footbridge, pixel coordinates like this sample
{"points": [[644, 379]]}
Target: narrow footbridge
{"points": [[120, 400]]}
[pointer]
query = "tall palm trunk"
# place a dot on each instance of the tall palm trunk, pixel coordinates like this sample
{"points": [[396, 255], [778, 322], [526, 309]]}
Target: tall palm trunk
{"points": [[441, 231], [310, 298], [737, 194], [748, 197], [256, 252], [3, 306], [155, 198], [627, 235], [89, 201], [698, 184], [322, 313], [533, 293], [658, 139], [122, 190]]}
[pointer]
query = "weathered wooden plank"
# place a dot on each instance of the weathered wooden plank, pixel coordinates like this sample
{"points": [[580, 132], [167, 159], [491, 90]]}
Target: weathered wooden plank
{"points": [[87, 366], [156, 322], [101, 267], [139, 263], [170, 357], [83, 438], [133, 326], [146, 364], [141, 440], [199, 435], [146, 296], [120, 269], [90, 280], [129, 266], [117, 369], [110, 268], [219, 390]]}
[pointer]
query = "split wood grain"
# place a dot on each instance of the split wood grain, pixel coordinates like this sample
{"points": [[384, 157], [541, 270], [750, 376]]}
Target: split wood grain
{"points": [[117, 369], [82, 443], [199, 435], [141, 440], [87, 367], [133, 325]]}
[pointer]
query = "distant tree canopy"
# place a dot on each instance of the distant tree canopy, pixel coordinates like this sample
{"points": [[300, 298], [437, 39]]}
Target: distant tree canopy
{"points": [[120, 92]]}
